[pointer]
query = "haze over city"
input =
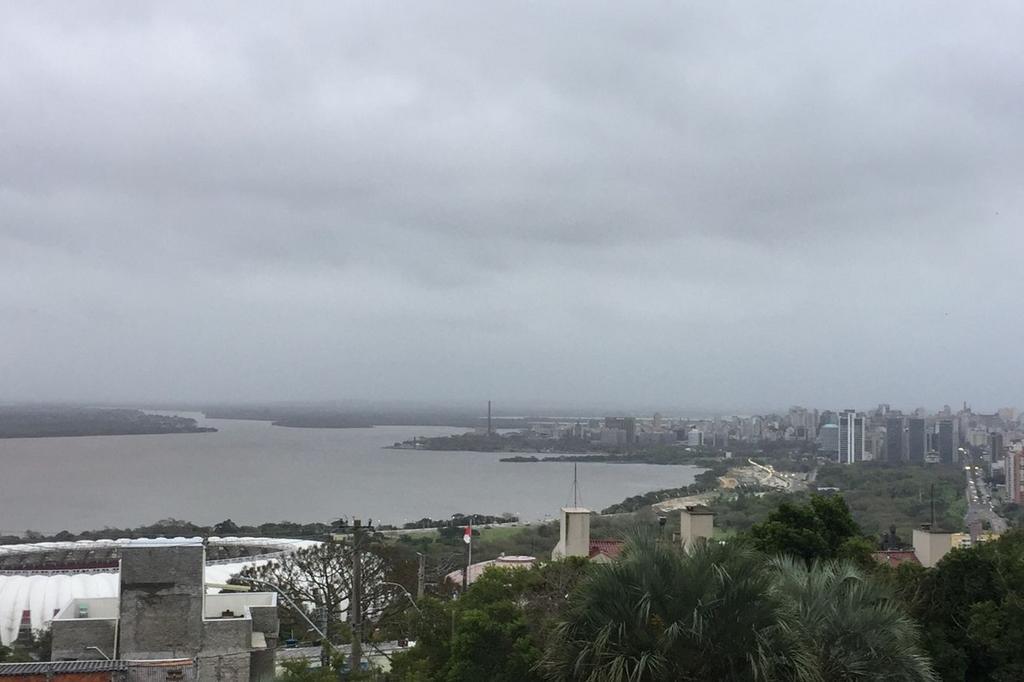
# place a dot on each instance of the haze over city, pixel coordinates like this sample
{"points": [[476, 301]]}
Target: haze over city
{"points": [[718, 207]]}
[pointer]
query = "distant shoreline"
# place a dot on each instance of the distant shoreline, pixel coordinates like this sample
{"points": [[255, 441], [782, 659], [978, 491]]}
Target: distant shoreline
{"points": [[98, 434], [57, 422]]}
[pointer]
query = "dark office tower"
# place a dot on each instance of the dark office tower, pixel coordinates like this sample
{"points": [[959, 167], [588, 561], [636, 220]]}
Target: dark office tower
{"points": [[894, 433], [945, 444], [995, 446], [851, 438], [916, 440]]}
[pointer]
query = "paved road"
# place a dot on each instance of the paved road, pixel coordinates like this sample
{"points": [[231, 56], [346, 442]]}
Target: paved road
{"points": [[979, 501]]}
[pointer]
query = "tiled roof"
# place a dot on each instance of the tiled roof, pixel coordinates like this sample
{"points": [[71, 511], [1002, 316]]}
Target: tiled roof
{"points": [[61, 667], [610, 548], [895, 557]]}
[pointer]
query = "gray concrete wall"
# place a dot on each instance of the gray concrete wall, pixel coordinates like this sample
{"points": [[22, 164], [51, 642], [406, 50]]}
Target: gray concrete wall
{"points": [[262, 666], [227, 636], [265, 620], [224, 668], [161, 601], [71, 637]]}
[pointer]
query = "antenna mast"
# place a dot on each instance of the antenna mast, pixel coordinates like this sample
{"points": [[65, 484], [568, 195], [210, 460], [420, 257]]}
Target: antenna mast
{"points": [[933, 506], [575, 486]]}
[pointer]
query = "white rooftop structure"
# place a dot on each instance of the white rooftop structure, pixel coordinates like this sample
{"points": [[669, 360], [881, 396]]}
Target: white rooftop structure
{"points": [[32, 597], [476, 570]]}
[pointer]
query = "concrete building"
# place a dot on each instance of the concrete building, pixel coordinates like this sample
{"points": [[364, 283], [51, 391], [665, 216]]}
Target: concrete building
{"points": [[695, 437], [38, 579], [851, 438], [828, 440], [164, 613], [573, 533], [1014, 470], [695, 522], [917, 441], [626, 424], [995, 447], [931, 545], [895, 439], [574, 538], [945, 444]]}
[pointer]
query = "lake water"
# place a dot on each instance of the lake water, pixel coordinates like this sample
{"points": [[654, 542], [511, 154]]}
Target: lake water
{"points": [[253, 472]]}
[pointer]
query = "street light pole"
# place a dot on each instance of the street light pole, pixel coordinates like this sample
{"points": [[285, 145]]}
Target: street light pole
{"points": [[405, 592], [280, 591]]}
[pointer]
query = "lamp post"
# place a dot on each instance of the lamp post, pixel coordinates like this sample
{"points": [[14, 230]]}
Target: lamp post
{"points": [[325, 656], [405, 592]]}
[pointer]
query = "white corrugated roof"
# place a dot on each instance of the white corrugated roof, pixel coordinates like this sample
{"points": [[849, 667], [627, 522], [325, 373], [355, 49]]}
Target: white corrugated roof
{"points": [[45, 593]]}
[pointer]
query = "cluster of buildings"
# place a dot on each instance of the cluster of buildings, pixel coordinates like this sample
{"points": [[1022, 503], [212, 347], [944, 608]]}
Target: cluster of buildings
{"points": [[140, 610], [846, 436]]}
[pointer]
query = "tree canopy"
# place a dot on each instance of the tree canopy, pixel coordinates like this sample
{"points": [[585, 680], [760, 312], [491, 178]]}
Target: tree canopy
{"points": [[823, 528]]}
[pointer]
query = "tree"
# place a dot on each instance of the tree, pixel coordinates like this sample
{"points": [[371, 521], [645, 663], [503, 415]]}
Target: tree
{"points": [[660, 613], [821, 529], [226, 527], [318, 579], [972, 607], [845, 625], [495, 631]]}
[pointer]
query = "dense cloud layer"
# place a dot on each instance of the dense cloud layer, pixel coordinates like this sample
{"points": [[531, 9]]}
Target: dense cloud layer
{"points": [[733, 205]]}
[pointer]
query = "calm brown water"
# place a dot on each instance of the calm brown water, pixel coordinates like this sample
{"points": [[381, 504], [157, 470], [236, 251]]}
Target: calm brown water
{"points": [[253, 472]]}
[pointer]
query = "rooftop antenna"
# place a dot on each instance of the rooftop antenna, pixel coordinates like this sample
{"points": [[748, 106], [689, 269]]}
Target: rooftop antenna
{"points": [[489, 431], [933, 506]]}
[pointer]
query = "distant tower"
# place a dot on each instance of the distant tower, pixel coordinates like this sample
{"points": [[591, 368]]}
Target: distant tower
{"points": [[489, 431], [851, 437]]}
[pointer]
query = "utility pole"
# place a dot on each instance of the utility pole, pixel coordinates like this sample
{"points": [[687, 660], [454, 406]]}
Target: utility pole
{"points": [[933, 506], [325, 645], [421, 575], [357, 595], [468, 538]]}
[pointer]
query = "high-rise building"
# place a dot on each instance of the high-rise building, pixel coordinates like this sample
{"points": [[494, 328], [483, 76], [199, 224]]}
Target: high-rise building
{"points": [[995, 446], [1015, 476], [627, 424], [895, 435], [946, 445], [851, 438], [828, 441], [917, 442]]}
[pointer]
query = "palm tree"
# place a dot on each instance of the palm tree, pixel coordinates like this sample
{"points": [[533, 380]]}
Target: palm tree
{"points": [[845, 625], [660, 613]]}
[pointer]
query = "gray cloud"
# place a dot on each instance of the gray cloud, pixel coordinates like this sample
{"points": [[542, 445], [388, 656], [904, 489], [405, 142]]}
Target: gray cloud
{"points": [[738, 205]]}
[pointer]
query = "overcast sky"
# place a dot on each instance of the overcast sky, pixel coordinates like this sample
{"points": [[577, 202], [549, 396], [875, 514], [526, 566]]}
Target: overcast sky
{"points": [[723, 205]]}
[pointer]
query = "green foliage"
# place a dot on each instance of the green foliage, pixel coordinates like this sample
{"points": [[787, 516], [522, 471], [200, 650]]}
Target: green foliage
{"points": [[703, 482], [661, 614], [821, 529], [36, 648], [844, 625], [495, 631], [972, 609], [724, 612], [739, 511], [881, 494]]}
